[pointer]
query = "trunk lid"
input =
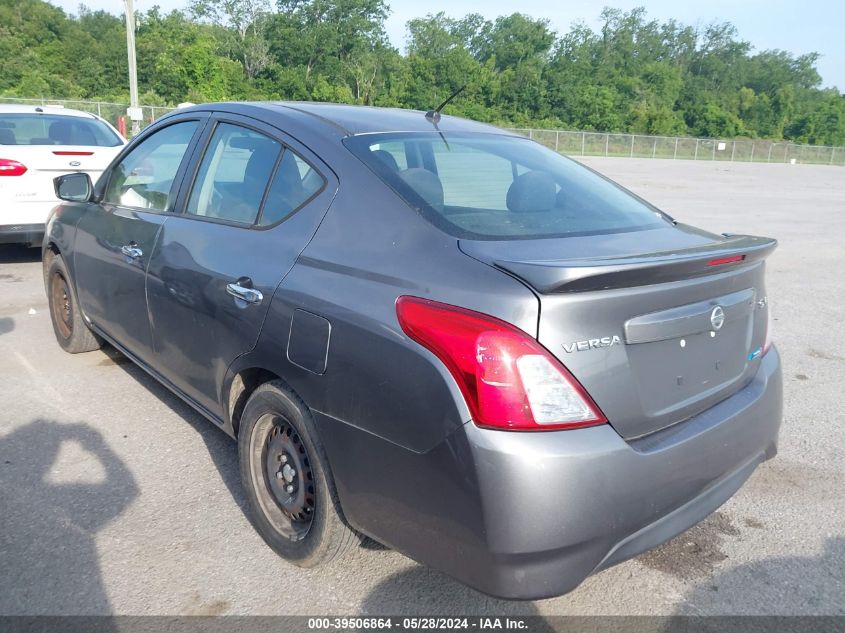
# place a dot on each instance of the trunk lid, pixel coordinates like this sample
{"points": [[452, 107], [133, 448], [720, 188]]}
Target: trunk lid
{"points": [[657, 325]]}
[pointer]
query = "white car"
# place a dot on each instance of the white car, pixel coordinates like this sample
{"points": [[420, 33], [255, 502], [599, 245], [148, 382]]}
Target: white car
{"points": [[36, 145]]}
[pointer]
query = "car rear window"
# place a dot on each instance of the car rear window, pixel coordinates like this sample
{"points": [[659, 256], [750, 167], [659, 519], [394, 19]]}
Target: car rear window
{"points": [[489, 186], [55, 129]]}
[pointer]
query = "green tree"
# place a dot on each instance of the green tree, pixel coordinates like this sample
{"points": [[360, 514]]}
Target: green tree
{"points": [[631, 74], [246, 21], [180, 60]]}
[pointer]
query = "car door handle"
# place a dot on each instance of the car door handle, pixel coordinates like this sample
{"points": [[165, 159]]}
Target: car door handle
{"points": [[131, 250], [250, 295]]}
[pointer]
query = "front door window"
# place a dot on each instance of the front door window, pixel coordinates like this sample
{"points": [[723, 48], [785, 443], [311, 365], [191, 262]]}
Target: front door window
{"points": [[144, 177]]}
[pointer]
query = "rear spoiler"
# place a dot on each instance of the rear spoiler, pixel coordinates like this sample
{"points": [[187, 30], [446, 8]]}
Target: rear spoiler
{"points": [[566, 275]]}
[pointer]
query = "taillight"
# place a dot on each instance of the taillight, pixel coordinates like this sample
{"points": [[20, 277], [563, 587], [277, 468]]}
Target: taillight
{"points": [[9, 167], [509, 380]]}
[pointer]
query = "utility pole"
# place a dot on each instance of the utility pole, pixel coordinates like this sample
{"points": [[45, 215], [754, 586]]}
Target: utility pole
{"points": [[134, 111]]}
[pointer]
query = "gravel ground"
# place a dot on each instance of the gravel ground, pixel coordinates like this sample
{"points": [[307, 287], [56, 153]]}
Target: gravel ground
{"points": [[117, 498]]}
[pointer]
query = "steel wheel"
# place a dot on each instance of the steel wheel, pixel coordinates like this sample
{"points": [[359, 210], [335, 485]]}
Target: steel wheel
{"points": [[61, 304], [284, 468], [71, 330], [279, 460]]}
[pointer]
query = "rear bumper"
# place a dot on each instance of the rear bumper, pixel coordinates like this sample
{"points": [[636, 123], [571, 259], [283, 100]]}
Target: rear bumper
{"points": [[23, 221], [531, 515], [21, 234], [560, 506]]}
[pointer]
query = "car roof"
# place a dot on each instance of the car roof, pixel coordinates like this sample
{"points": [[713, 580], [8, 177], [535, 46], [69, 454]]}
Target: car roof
{"points": [[37, 109], [349, 120], [357, 119]]}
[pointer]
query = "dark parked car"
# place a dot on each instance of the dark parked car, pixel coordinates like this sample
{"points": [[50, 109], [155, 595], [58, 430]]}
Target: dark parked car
{"points": [[428, 331]]}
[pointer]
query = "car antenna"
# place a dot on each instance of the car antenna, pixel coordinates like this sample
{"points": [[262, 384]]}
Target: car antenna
{"points": [[434, 115]]}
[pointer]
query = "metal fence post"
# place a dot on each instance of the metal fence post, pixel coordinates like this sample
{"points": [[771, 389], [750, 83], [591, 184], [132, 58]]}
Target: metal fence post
{"points": [[583, 142], [632, 145], [696, 150], [675, 155], [606, 145], [832, 152], [557, 141], [531, 134], [769, 157], [751, 160], [715, 142], [98, 110], [733, 150], [654, 148]]}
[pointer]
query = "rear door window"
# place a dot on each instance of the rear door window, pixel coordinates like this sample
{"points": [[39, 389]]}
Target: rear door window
{"points": [[234, 175], [249, 178]]}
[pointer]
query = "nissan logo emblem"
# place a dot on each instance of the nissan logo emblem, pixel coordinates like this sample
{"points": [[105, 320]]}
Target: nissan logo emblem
{"points": [[717, 318], [74, 163]]}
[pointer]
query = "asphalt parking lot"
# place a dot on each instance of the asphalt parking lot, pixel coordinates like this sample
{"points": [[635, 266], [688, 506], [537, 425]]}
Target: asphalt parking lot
{"points": [[117, 498]]}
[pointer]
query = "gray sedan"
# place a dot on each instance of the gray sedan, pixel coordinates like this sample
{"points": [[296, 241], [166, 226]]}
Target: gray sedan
{"points": [[427, 331]]}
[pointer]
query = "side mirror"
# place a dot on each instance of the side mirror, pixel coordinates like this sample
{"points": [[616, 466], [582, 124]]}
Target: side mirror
{"points": [[73, 187]]}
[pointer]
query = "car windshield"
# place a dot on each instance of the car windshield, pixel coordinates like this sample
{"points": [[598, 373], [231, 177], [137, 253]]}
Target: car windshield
{"points": [[55, 129], [489, 186]]}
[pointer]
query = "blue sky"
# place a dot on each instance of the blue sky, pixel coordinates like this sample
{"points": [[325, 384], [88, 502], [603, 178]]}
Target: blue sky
{"points": [[797, 27]]}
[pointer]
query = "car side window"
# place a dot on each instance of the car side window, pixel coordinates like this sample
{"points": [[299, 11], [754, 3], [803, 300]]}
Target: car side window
{"points": [[294, 183], [234, 174], [144, 177]]}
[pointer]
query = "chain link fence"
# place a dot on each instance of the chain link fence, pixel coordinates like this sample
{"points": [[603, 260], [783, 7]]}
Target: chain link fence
{"points": [[564, 141], [111, 112], [676, 147]]}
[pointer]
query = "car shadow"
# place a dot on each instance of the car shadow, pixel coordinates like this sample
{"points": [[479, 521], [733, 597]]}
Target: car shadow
{"points": [[769, 586], [425, 592], [221, 448], [18, 254], [7, 324], [51, 510]]}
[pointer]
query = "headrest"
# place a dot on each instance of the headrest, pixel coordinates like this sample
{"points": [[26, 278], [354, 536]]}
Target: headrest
{"points": [[532, 191], [261, 162], [560, 199], [60, 132], [387, 158], [426, 184], [288, 174]]}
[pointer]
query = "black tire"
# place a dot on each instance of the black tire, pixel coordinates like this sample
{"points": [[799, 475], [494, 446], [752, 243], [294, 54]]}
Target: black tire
{"points": [[298, 515], [72, 333]]}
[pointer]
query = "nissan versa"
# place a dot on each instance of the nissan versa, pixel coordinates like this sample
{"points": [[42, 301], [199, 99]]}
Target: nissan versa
{"points": [[427, 331]]}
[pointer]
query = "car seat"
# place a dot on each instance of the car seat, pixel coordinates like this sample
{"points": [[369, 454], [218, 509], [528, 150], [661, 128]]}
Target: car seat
{"points": [[426, 185], [532, 191]]}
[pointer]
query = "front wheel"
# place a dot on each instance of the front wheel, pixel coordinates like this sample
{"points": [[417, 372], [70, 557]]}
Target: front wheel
{"points": [[72, 333], [288, 484]]}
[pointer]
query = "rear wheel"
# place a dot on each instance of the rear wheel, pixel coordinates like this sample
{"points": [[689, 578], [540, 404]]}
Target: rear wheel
{"points": [[287, 480], [72, 333]]}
